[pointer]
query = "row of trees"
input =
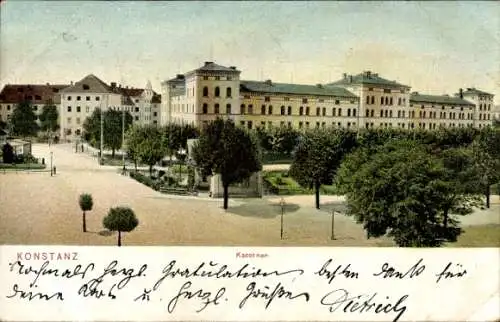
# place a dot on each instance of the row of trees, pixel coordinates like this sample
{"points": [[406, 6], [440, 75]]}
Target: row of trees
{"points": [[23, 120], [407, 184]]}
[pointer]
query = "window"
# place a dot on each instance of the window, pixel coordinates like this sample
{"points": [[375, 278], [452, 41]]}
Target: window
{"points": [[382, 100], [386, 100], [301, 110], [263, 110], [318, 111], [390, 102], [68, 98], [216, 109], [136, 109], [340, 111], [282, 110], [87, 109], [267, 99], [69, 108], [77, 120], [333, 111], [300, 125], [250, 109], [205, 77], [68, 120], [205, 91], [307, 125], [270, 110], [324, 111], [399, 114], [217, 91], [399, 101], [137, 118], [97, 98], [242, 109], [155, 113], [372, 113], [205, 108], [78, 109], [370, 89], [289, 125], [286, 99], [367, 99], [228, 108], [373, 100], [307, 110], [390, 113], [228, 92], [289, 110], [386, 113], [78, 98], [381, 113], [317, 125], [304, 100], [217, 77], [348, 112], [367, 113], [38, 97], [387, 90], [242, 123], [35, 108], [353, 112], [250, 125], [337, 102]]}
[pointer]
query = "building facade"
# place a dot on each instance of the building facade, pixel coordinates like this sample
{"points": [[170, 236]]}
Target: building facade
{"points": [[366, 100], [38, 95]]}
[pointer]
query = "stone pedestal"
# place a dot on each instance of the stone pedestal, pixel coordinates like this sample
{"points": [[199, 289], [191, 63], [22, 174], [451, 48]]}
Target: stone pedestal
{"points": [[251, 188]]}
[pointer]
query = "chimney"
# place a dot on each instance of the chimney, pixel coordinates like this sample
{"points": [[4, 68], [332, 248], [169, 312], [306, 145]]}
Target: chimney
{"points": [[119, 85], [344, 75], [269, 82], [461, 93], [208, 63], [180, 76], [350, 78], [319, 86], [47, 84], [71, 83], [233, 67], [375, 75]]}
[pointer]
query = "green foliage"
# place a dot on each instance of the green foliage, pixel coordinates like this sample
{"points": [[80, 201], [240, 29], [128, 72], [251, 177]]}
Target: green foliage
{"points": [[145, 180], [120, 219], [48, 118], [408, 193], [226, 150], [23, 120], [133, 140], [86, 203], [177, 136], [112, 128], [319, 155], [3, 125], [152, 147]]}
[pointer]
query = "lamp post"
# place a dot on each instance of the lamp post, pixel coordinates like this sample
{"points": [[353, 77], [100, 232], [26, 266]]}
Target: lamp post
{"points": [[102, 137], [182, 156], [51, 168], [282, 204], [333, 225], [123, 139]]}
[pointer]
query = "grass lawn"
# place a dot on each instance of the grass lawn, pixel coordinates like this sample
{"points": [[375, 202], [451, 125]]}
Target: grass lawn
{"points": [[22, 166], [280, 183], [479, 236]]}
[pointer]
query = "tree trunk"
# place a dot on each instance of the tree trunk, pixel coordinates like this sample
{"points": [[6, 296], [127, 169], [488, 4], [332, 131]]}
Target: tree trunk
{"points": [[487, 193], [150, 170], [135, 164], [84, 223], [317, 185], [113, 153], [445, 218], [119, 238], [226, 195]]}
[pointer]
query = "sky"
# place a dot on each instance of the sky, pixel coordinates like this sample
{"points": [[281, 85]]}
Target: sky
{"points": [[434, 47]]}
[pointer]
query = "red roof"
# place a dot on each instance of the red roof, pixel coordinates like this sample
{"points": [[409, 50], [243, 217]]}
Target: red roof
{"points": [[37, 94]]}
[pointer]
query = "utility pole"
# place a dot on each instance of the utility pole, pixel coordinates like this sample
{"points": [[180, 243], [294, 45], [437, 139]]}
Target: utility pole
{"points": [[333, 225], [282, 204], [102, 137]]}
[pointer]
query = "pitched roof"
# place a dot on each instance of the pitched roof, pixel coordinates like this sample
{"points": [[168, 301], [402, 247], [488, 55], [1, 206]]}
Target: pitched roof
{"points": [[474, 91], [438, 99], [283, 88], [37, 94], [213, 67], [366, 78], [89, 83], [133, 92], [156, 98]]}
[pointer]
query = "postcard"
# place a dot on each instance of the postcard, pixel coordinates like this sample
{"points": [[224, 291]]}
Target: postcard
{"points": [[249, 161]]}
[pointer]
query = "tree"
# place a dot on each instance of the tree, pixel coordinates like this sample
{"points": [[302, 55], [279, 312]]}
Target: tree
{"points": [[177, 136], [406, 192], [152, 147], [8, 153], [120, 219], [86, 204], [318, 157], [226, 150], [486, 149], [112, 129], [48, 118], [23, 120], [3, 125], [133, 139]]}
